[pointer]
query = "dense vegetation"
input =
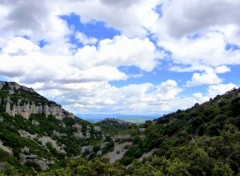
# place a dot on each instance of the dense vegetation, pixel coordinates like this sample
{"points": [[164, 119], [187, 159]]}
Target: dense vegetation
{"points": [[202, 140], [219, 155], [42, 138], [114, 126], [181, 127]]}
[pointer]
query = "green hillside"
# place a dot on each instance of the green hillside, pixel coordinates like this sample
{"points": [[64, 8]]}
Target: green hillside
{"points": [[202, 140], [113, 126], [182, 126], [39, 138]]}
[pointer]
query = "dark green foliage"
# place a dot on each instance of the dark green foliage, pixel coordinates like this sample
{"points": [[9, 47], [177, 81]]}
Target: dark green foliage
{"points": [[179, 128], [114, 126], [202, 156], [83, 167], [202, 140], [10, 136], [39, 125]]}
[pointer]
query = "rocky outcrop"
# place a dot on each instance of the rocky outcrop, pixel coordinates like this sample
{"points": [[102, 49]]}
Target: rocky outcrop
{"points": [[16, 105], [118, 152], [26, 157], [56, 133], [78, 134], [26, 109], [147, 155], [46, 139], [88, 148], [26, 134], [97, 128]]}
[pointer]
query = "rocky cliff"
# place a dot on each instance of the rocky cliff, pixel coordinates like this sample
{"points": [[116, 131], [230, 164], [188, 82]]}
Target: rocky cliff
{"points": [[14, 101]]}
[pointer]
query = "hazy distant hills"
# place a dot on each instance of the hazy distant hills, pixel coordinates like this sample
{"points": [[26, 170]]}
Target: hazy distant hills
{"points": [[130, 118]]}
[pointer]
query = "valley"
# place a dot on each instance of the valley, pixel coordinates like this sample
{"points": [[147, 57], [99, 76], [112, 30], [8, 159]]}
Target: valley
{"points": [[38, 137]]}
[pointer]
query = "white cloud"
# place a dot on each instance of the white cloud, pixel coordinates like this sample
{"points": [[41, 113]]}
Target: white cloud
{"points": [[120, 51], [208, 50], [190, 16], [132, 18], [222, 69], [19, 46], [207, 77], [130, 99], [220, 89], [84, 39], [194, 32]]}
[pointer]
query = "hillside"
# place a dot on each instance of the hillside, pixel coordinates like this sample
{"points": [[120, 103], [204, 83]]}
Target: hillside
{"points": [[37, 133], [114, 126], [182, 127], [202, 140]]}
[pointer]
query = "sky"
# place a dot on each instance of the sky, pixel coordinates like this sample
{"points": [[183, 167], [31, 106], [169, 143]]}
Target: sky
{"points": [[122, 56]]}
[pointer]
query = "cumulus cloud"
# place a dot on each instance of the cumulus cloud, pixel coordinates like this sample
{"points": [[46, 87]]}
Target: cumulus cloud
{"points": [[222, 69], [191, 16], [208, 77], [133, 98], [191, 36], [85, 40], [132, 18], [19, 46], [196, 34], [209, 49], [119, 51], [220, 89]]}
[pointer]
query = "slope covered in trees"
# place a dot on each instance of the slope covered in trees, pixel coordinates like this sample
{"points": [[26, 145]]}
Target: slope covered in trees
{"points": [[114, 126], [202, 140], [206, 155], [181, 127], [39, 140]]}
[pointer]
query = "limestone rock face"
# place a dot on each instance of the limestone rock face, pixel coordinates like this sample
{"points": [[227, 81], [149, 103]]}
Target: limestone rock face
{"points": [[25, 107], [88, 148], [97, 128]]}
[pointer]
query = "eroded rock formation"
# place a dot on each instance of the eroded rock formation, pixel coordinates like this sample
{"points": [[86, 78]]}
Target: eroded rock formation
{"points": [[25, 107]]}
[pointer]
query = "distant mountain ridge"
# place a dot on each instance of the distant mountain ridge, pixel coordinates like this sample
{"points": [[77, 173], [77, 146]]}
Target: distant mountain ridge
{"points": [[133, 118], [112, 125], [113, 120]]}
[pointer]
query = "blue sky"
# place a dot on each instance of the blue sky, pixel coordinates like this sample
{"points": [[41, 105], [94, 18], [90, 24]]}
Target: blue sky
{"points": [[129, 57]]}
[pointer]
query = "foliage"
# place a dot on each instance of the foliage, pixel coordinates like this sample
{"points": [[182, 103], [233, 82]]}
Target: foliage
{"points": [[202, 156], [114, 126], [181, 127], [83, 167], [37, 126], [202, 140]]}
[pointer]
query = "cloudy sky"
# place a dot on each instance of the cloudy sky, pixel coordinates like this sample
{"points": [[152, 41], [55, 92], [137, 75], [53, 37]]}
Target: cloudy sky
{"points": [[121, 56]]}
